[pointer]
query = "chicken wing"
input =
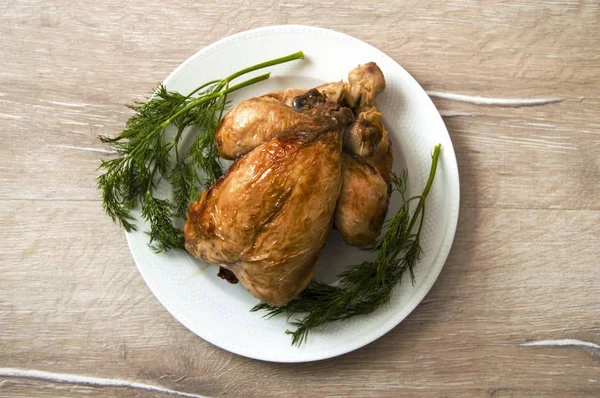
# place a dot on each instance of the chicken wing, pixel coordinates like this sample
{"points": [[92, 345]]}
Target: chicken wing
{"points": [[334, 91], [267, 218]]}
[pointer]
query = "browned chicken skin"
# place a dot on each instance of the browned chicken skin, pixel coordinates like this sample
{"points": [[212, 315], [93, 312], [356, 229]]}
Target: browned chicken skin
{"points": [[363, 202], [267, 218]]}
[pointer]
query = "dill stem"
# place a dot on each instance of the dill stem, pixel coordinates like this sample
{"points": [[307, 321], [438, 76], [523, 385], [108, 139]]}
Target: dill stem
{"points": [[225, 82], [420, 205], [201, 100], [366, 287], [434, 162], [202, 86], [276, 61]]}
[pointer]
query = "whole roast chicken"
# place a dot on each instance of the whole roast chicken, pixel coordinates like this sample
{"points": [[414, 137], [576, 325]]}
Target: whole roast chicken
{"points": [[268, 217]]}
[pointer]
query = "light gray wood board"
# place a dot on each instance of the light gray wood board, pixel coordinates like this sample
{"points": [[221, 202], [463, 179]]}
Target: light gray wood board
{"points": [[523, 269]]}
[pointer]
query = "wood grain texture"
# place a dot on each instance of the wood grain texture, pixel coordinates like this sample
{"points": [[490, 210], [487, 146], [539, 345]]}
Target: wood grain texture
{"points": [[520, 283]]}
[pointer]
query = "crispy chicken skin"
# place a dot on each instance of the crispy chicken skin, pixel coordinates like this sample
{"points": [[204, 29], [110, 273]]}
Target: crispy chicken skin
{"points": [[363, 202], [268, 217]]}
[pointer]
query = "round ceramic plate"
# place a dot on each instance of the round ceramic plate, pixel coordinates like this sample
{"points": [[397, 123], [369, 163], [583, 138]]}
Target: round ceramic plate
{"points": [[219, 312]]}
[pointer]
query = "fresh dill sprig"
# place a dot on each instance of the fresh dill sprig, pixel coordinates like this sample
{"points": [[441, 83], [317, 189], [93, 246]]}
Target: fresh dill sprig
{"points": [[364, 288], [145, 155]]}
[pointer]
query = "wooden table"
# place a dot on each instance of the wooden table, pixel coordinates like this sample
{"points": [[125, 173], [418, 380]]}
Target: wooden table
{"points": [[516, 310]]}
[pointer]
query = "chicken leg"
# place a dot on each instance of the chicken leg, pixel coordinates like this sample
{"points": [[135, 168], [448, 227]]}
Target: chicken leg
{"points": [[363, 202]]}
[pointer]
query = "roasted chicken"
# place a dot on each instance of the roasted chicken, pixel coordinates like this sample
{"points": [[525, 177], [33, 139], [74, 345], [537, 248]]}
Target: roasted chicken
{"points": [[365, 83], [362, 137], [257, 120], [268, 217], [363, 202]]}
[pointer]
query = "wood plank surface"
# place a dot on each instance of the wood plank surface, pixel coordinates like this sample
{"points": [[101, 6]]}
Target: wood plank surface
{"points": [[516, 310]]}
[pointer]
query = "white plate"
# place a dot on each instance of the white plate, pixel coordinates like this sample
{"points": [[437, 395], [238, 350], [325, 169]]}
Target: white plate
{"points": [[219, 312]]}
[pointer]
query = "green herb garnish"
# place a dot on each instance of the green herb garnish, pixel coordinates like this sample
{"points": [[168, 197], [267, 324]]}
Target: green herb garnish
{"points": [[368, 286], [146, 155]]}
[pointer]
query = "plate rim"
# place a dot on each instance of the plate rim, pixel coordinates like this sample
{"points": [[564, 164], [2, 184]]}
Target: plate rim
{"points": [[454, 184]]}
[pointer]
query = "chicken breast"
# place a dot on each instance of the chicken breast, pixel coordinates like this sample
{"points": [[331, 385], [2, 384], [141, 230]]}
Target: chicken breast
{"points": [[363, 202], [268, 217]]}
